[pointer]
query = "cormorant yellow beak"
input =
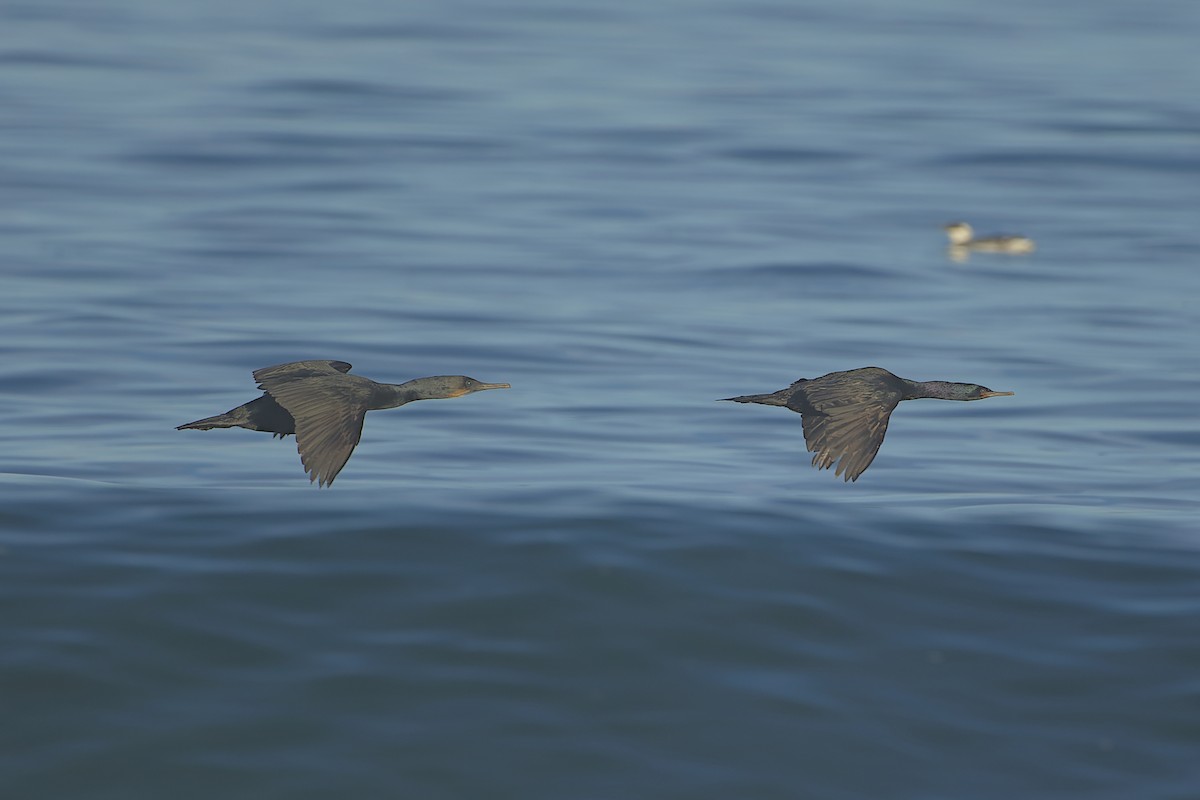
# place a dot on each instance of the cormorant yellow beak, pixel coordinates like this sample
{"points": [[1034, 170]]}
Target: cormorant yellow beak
{"points": [[995, 394]]}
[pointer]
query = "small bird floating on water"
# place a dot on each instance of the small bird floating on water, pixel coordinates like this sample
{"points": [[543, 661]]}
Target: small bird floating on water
{"points": [[963, 242], [324, 407], [845, 414]]}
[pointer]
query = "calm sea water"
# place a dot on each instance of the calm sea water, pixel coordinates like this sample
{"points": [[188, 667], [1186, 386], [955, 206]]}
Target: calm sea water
{"points": [[601, 583]]}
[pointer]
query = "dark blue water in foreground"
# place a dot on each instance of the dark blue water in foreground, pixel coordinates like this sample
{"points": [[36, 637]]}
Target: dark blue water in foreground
{"points": [[601, 583]]}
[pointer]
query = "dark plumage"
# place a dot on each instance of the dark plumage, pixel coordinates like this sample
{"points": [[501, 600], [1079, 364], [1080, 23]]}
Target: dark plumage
{"points": [[845, 414], [324, 406]]}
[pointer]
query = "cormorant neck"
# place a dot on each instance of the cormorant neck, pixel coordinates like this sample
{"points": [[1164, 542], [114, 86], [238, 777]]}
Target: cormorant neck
{"points": [[936, 390], [394, 395]]}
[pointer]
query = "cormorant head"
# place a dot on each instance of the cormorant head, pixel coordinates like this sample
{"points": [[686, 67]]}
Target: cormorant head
{"points": [[946, 390], [456, 385], [972, 391]]}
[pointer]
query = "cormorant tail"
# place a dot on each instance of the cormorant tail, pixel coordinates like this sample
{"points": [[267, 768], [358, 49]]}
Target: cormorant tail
{"points": [[765, 399], [226, 420]]}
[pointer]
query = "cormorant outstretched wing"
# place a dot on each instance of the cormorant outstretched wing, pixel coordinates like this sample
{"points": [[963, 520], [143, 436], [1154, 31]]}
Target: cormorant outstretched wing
{"points": [[845, 417], [301, 369], [328, 410]]}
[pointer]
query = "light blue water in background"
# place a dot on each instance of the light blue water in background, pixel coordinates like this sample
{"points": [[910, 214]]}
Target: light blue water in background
{"points": [[600, 583]]}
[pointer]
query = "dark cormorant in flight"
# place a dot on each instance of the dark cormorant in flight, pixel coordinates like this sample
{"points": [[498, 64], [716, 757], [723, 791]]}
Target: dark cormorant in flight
{"points": [[324, 407], [845, 414]]}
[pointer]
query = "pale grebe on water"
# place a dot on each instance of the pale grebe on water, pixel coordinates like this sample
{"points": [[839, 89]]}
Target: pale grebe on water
{"points": [[962, 238]]}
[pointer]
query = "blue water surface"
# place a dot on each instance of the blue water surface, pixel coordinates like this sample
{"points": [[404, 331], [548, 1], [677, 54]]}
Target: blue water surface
{"points": [[600, 583]]}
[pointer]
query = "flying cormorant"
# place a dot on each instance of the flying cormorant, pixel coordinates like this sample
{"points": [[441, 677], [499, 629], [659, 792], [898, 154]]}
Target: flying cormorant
{"points": [[845, 414], [324, 407]]}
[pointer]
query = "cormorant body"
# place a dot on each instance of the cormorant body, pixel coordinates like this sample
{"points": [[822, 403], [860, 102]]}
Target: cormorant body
{"points": [[324, 407], [845, 414]]}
